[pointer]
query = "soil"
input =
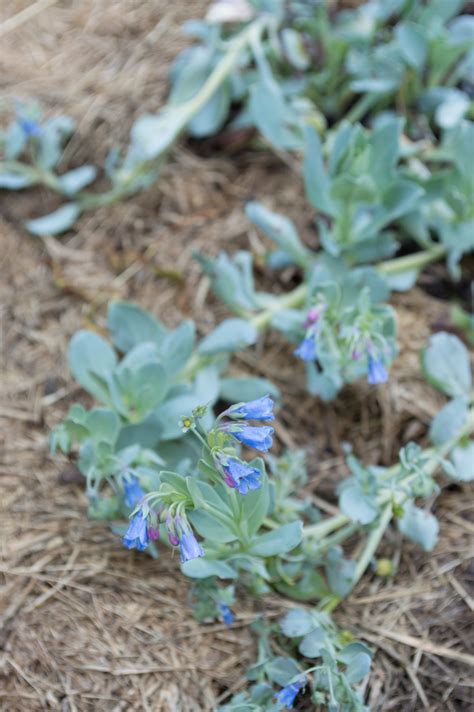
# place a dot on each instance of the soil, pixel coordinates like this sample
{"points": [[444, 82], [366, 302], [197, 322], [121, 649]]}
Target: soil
{"points": [[85, 624]]}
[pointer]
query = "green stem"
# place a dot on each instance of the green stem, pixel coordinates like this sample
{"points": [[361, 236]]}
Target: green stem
{"points": [[287, 301], [360, 108], [385, 498], [321, 529], [187, 111], [337, 538], [373, 541], [408, 262], [297, 297]]}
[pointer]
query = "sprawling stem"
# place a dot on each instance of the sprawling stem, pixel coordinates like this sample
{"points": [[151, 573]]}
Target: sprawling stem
{"points": [[297, 297], [187, 111]]}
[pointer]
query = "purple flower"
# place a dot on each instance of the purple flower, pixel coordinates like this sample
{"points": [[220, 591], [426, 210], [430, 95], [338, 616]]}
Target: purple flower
{"points": [[154, 533], [306, 351], [312, 317], [171, 530], [172, 538], [225, 612], [259, 438], [136, 536], [189, 546], [376, 371], [260, 409], [241, 476], [133, 492], [287, 694]]}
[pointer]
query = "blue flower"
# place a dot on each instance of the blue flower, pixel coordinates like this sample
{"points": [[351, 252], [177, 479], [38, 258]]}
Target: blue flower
{"points": [[241, 476], [287, 694], [260, 409], [133, 492], [189, 546], [307, 348], [376, 371], [28, 126], [136, 536], [226, 614], [258, 437]]}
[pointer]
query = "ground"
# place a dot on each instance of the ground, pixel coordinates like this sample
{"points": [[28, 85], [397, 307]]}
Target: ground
{"points": [[85, 624]]}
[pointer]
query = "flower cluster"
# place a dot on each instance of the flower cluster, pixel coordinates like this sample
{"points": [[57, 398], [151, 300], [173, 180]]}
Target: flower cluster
{"points": [[154, 510], [238, 474], [145, 527], [359, 344]]}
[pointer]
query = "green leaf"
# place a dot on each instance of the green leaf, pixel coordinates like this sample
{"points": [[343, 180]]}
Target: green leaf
{"points": [[278, 541], [53, 135], [55, 223], [309, 587], [77, 179], [168, 415], [297, 622], [235, 390], [213, 114], [177, 346], [154, 135], [313, 643], [91, 355], [321, 384], [419, 526], [231, 335], [358, 659], [385, 148], [210, 528], [129, 326], [452, 109], [149, 386], [204, 494], [462, 458], [103, 425], [317, 183], [281, 670], [279, 229], [413, 44], [356, 504], [255, 505], [449, 421], [273, 116], [446, 364], [16, 181], [340, 572], [294, 48], [204, 567]]}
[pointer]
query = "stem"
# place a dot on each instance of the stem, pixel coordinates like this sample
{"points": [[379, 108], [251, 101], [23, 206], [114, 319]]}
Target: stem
{"points": [[187, 111], [415, 261], [297, 297], [321, 529], [385, 498], [360, 108], [373, 541], [337, 538], [288, 301]]}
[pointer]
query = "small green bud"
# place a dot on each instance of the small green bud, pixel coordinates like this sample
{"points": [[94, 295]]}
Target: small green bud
{"points": [[200, 411], [187, 423], [397, 510], [384, 568]]}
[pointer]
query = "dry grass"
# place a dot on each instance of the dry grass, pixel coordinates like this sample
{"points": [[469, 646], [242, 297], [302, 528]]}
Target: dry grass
{"points": [[86, 625]]}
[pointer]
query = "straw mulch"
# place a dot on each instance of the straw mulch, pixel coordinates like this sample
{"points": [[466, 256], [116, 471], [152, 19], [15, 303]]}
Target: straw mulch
{"points": [[85, 624]]}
